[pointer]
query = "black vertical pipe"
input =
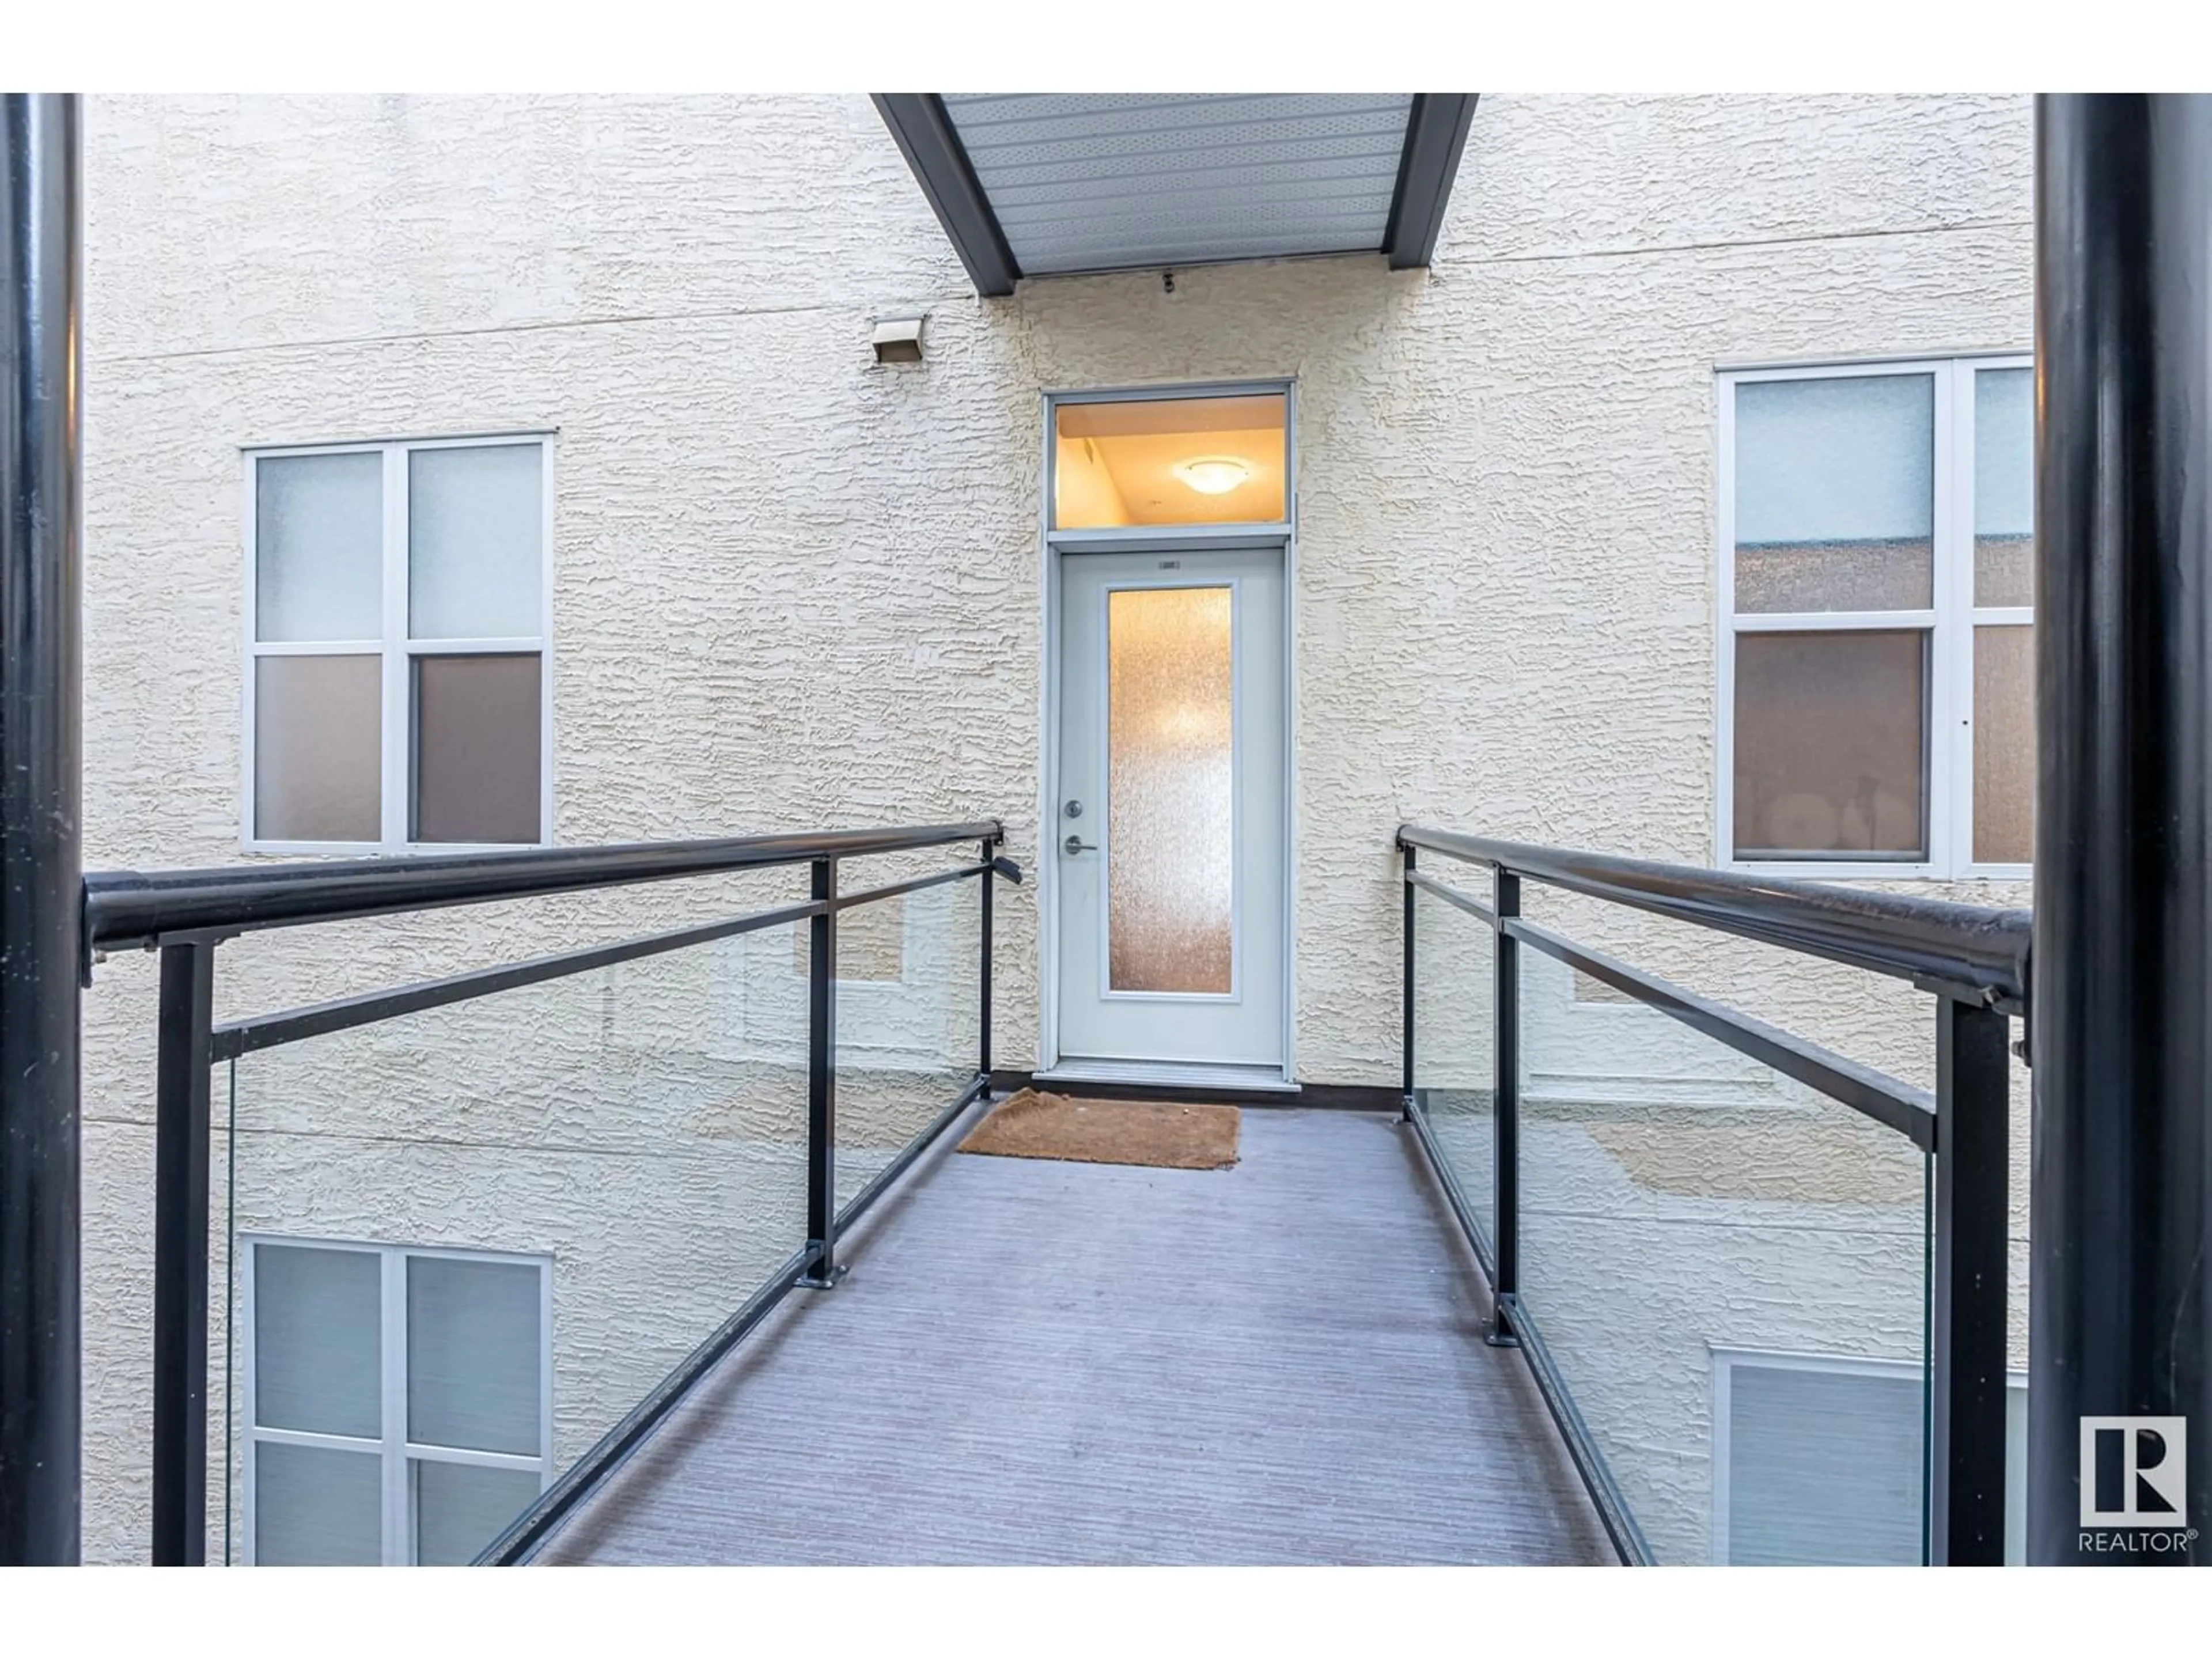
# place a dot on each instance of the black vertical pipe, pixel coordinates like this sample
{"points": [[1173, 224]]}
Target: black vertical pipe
{"points": [[1966, 1325], [1406, 938], [2121, 1293], [822, 1077], [181, 1254], [40, 855], [983, 1013], [1506, 1100]]}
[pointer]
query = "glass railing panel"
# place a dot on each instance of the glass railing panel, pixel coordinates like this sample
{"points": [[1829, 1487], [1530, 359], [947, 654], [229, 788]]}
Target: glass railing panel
{"points": [[1454, 1038], [1730, 1273], [909, 999], [1885, 1023], [464, 1243]]}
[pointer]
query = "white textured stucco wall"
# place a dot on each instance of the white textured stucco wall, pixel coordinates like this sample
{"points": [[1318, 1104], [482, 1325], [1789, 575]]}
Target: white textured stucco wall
{"points": [[793, 588]]}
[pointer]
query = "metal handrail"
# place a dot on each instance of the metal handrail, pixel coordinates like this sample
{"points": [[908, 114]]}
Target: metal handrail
{"points": [[1980, 951], [236, 1037], [124, 909], [188, 914], [1974, 958]]}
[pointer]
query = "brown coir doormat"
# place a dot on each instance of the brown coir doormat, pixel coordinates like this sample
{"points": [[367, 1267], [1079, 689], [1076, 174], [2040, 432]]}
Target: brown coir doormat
{"points": [[1160, 1135]]}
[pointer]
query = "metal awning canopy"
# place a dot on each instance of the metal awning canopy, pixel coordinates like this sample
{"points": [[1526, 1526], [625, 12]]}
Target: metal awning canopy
{"points": [[1048, 183]]}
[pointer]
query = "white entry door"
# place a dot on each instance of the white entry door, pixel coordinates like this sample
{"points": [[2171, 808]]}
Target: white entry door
{"points": [[1170, 820]]}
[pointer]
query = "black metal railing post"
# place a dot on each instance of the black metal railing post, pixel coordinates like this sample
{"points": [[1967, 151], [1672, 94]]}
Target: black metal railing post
{"points": [[1505, 1102], [181, 1254], [988, 852], [1967, 1330], [821, 1077], [41, 1141], [1406, 935], [2120, 1296]]}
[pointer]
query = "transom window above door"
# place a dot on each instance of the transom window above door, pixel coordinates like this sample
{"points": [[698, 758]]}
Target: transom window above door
{"points": [[1877, 660], [396, 684], [1185, 460]]}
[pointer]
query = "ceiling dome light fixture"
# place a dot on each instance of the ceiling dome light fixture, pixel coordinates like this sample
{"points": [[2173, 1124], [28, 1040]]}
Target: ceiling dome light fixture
{"points": [[1212, 474]]}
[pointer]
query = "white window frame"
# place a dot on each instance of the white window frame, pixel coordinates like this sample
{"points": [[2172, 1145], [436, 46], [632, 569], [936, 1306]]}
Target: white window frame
{"points": [[1949, 778], [396, 650], [394, 1449]]}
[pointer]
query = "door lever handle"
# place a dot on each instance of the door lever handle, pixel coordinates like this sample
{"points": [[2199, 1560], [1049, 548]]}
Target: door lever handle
{"points": [[1075, 844]]}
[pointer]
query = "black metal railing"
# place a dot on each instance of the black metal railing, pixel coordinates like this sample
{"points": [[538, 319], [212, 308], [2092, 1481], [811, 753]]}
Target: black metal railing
{"points": [[186, 915], [1973, 960]]}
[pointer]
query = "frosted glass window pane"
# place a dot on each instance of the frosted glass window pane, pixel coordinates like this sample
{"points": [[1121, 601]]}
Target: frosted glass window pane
{"points": [[1171, 828], [318, 547], [473, 1355], [476, 522], [2005, 486], [460, 1508], [477, 748], [318, 748], [1171, 460], [314, 1506], [1830, 745], [1824, 1468], [316, 1318], [1835, 493], [2004, 744]]}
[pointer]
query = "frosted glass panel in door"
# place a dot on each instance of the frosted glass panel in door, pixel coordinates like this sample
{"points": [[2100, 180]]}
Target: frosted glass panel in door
{"points": [[318, 547], [475, 519], [1171, 791]]}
